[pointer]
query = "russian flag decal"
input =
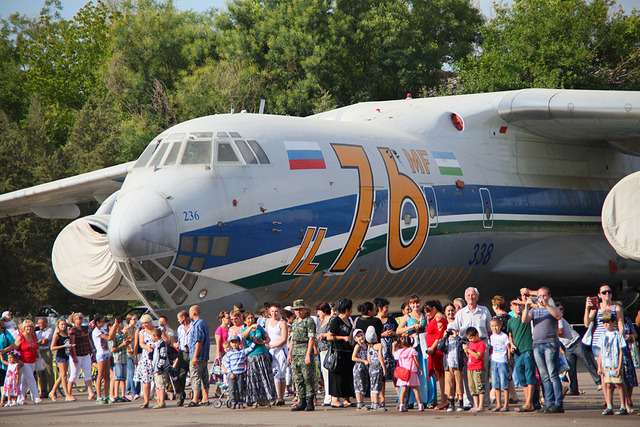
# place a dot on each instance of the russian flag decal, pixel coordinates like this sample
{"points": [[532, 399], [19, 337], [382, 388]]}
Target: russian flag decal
{"points": [[304, 155], [447, 163]]}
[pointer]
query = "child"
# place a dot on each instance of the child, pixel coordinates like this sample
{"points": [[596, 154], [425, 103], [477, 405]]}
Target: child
{"points": [[118, 348], [11, 388], [234, 365], [500, 352], [360, 370], [160, 367], [406, 356], [475, 368], [377, 370], [610, 367], [451, 346]]}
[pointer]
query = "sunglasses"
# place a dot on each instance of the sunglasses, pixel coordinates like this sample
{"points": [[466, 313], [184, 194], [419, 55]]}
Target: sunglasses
{"points": [[606, 291]]}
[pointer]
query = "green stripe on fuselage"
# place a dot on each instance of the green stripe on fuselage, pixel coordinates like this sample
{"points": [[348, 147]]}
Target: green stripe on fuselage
{"points": [[325, 260]]}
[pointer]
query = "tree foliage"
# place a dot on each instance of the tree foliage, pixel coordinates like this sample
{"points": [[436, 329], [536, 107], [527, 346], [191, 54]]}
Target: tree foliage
{"points": [[556, 44]]}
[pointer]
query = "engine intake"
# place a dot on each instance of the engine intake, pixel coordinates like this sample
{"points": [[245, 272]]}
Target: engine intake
{"points": [[83, 263]]}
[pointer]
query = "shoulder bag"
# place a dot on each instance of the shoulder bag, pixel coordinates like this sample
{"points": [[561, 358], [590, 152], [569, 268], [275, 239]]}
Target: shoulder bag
{"points": [[403, 373]]}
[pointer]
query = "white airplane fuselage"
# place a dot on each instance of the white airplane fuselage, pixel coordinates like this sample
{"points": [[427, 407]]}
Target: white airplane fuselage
{"points": [[378, 199]]}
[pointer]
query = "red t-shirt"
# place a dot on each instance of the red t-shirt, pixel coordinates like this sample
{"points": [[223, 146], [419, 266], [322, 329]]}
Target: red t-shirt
{"points": [[474, 364]]}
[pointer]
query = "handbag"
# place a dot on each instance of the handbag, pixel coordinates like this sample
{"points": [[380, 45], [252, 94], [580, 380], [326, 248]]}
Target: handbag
{"points": [[588, 336], [403, 373], [40, 365], [635, 355], [331, 359]]}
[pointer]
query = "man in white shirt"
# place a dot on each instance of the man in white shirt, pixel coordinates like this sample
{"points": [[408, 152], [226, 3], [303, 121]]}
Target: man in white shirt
{"points": [[44, 335], [479, 317], [182, 363]]}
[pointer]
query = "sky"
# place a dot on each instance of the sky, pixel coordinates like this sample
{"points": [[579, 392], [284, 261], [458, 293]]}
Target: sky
{"points": [[71, 7]]}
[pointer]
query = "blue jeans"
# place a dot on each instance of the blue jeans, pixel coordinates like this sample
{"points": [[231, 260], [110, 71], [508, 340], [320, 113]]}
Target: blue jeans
{"points": [[547, 357], [500, 375], [132, 388]]}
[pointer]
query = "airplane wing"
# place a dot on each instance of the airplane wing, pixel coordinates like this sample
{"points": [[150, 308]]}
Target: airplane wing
{"points": [[57, 199], [576, 115]]}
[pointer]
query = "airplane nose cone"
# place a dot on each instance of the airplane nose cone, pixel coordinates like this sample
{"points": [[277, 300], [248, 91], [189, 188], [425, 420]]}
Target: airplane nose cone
{"points": [[142, 223]]}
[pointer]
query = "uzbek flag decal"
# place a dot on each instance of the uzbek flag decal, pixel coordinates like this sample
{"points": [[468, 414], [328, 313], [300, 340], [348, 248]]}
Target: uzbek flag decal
{"points": [[447, 163], [304, 155]]}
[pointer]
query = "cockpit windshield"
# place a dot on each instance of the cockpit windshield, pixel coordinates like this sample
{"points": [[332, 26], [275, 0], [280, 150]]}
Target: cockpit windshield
{"points": [[199, 148]]}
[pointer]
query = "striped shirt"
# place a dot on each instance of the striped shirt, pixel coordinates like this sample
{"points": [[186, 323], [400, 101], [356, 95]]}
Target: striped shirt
{"points": [[234, 360], [600, 327]]}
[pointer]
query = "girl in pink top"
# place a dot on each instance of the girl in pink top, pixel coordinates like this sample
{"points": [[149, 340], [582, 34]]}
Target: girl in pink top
{"points": [[405, 354]]}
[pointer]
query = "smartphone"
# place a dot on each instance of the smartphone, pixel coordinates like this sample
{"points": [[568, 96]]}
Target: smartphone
{"points": [[594, 302], [534, 299]]}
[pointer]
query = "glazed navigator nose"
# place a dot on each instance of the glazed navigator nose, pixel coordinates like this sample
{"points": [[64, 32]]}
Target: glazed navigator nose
{"points": [[142, 223]]}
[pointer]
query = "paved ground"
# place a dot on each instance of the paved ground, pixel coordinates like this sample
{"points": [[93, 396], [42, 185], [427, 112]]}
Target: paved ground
{"points": [[582, 410]]}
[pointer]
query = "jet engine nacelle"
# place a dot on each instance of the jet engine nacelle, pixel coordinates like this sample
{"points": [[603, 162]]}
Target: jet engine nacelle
{"points": [[621, 217], [83, 263]]}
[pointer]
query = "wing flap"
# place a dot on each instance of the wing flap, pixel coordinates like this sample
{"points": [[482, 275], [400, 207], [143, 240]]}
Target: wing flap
{"points": [[57, 199]]}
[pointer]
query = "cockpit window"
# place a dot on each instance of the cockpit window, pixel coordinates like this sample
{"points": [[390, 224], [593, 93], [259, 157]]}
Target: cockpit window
{"points": [[262, 156], [246, 152], [226, 153], [159, 154], [197, 152], [148, 152], [172, 157]]}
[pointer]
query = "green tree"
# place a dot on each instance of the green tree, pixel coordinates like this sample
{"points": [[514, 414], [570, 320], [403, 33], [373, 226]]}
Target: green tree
{"points": [[555, 44], [315, 54]]}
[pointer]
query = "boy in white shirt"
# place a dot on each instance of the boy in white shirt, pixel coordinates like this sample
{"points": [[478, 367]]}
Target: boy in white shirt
{"points": [[499, 365]]}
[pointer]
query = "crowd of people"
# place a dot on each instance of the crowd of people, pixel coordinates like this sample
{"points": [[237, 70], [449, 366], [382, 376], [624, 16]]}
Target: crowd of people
{"points": [[460, 357]]}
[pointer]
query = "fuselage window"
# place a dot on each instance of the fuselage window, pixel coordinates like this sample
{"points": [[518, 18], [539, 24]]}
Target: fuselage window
{"points": [[197, 153], [226, 153], [159, 155], [146, 155], [262, 156], [246, 152]]}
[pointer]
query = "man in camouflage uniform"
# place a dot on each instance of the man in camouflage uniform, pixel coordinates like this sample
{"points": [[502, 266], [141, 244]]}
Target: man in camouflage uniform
{"points": [[301, 357]]}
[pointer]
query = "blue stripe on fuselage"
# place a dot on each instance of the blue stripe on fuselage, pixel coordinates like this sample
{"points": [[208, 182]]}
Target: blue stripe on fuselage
{"points": [[255, 236]]}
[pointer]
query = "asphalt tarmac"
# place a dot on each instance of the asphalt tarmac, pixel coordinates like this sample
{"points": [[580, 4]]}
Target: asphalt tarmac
{"points": [[584, 410]]}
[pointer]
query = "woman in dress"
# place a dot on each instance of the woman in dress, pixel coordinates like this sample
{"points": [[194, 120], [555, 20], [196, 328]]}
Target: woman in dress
{"points": [[436, 325], [144, 369], [278, 333], [260, 388], [413, 324], [388, 336], [27, 343], [222, 333], [630, 376], [341, 379], [324, 315], [61, 345]]}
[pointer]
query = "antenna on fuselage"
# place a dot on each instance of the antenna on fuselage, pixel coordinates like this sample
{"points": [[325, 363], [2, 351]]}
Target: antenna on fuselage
{"points": [[262, 102]]}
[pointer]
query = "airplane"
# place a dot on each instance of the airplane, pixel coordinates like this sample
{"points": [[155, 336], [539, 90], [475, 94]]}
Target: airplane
{"points": [[390, 198]]}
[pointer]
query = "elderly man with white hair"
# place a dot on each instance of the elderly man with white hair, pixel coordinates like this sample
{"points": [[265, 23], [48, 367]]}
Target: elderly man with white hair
{"points": [[479, 317]]}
